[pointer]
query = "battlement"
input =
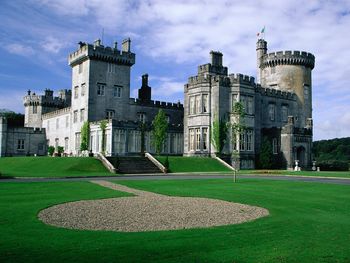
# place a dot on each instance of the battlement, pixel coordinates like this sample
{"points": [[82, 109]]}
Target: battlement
{"points": [[97, 51], [47, 99], [198, 79], [276, 93], [289, 58], [56, 113], [212, 69], [156, 103], [241, 78]]}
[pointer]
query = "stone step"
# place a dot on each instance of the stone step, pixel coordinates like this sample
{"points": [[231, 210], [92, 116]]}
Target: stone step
{"points": [[129, 165]]}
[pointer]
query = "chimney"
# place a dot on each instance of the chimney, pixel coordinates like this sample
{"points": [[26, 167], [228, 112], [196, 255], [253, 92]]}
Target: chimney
{"points": [[126, 45], [145, 91], [29, 92], [115, 45], [145, 80]]}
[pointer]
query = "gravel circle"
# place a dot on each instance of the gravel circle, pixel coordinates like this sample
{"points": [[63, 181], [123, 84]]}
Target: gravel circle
{"points": [[148, 212]]}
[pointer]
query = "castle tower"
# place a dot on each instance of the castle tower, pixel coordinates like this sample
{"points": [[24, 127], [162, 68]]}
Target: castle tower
{"points": [[289, 71], [261, 49]]}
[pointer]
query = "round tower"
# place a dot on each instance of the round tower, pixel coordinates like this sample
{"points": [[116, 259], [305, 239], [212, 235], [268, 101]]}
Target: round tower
{"points": [[290, 71], [261, 49]]}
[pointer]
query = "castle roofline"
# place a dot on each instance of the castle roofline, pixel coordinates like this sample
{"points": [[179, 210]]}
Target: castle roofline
{"points": [[288, 58]]}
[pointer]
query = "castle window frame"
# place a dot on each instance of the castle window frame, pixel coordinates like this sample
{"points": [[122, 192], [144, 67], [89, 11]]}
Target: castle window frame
{"points": [[142, 117], [191, 140], [56, 144], [67, 121], [250, 140], [284, 113], [101, 89], [272, 111], [83, 88], [117, 91], [20, 144], [35, 109], [57, 123], [205, 138], [198, 108], [48, 125], [77, 141], [80, 68], [109, 114], [66, 143], [274, 146], [75, 116], [111, 68], [205, 104], [76, 92], [306, 92], [82, 115], [192, 105], [167, 117], [198, 139]]}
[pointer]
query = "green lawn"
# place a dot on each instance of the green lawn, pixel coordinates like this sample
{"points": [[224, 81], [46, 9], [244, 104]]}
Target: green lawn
{"points": [[179, 164], [308, 222], [51, 167], [299, 173]]}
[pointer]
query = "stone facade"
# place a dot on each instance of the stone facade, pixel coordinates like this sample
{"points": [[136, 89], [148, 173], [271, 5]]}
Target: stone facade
{"points": [[277, 107], [101, 90]]}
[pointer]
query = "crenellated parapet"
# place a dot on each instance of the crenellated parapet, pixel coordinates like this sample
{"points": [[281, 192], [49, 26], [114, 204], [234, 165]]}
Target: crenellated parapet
{"points": [[56, 113], [97, 51], [156, 103], [241, 79], [46, 100], [276, 93], [288, 58], [212, 69]]}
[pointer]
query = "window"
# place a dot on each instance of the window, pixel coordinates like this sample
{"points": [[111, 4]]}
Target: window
{"points": [[198, 139], [82, 115], [273, 70], [66, 141], [109, 114], [249, 137], [274, 146], [111, 68], [205, 103], [142, 117], [35, 109], [117, 92], [20, 144], [75, 116], [77, 141], [242, 141], [167, 118], [100, 89], [76, 92], [205, 138], [250, 105], [57, 123], [56, 144], [247, 103], [48, 125], [284, 113], [306, 92], [67, 121], [198, 104], [192, 105], [192, 142], [80, 68], [272, 109], [83, 89]]}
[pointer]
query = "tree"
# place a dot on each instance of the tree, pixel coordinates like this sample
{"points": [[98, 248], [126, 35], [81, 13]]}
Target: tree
{"points": [[218, 134], [85, 136], [237, 128], [265, 156], [103, 126], [159, 130]]}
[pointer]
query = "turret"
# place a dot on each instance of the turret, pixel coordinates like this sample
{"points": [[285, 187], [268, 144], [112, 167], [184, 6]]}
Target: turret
{"points": [[261, 49]]}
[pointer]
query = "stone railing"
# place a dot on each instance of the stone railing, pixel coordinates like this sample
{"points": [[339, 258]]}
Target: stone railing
{"points": [[106, 163], [156, 162]]}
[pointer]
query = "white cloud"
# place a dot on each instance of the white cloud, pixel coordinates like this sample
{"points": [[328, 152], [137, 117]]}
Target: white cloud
{"points": [[53, 45], [20, 49]]}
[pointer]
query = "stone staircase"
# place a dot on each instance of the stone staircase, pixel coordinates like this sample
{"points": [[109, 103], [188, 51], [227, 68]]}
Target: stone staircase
{"points": [[133, 165]]}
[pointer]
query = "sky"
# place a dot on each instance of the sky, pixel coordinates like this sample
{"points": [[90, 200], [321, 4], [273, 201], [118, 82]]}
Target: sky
{"points": [[171, 38]]}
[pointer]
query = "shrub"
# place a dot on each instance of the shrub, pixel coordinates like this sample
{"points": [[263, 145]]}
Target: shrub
{"points": [[333, 165], [60, 150], [51, 150]]}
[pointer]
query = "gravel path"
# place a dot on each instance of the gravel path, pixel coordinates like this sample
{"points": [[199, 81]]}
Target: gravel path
{"points": [[147, 212]]}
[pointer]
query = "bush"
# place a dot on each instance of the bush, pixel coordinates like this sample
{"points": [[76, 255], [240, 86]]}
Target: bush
{"points": [[333, 165], [51, 150], [60, 150]]}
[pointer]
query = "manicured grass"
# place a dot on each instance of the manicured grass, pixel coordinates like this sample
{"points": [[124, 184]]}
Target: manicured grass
{"points": [[308, 222], [51, 167], [179, 164], [300, 173]]}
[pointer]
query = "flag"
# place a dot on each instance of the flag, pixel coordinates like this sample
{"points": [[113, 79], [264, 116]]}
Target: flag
{"points": [[258, 34], [263, 30]]}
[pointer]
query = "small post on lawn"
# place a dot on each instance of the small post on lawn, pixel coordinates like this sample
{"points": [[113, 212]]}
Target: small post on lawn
{"points": [[234, 175]]}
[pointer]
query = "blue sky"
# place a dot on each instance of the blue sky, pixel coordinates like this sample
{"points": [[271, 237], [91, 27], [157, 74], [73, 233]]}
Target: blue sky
{"points": [[171, 38]]}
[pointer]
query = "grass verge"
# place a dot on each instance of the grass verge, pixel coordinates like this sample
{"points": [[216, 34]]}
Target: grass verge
{"points": [[296, 173], [51, 167], [179, 164]]}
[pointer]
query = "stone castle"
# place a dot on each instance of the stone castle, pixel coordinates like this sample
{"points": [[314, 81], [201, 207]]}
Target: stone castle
{"points": [[278, 108]]}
